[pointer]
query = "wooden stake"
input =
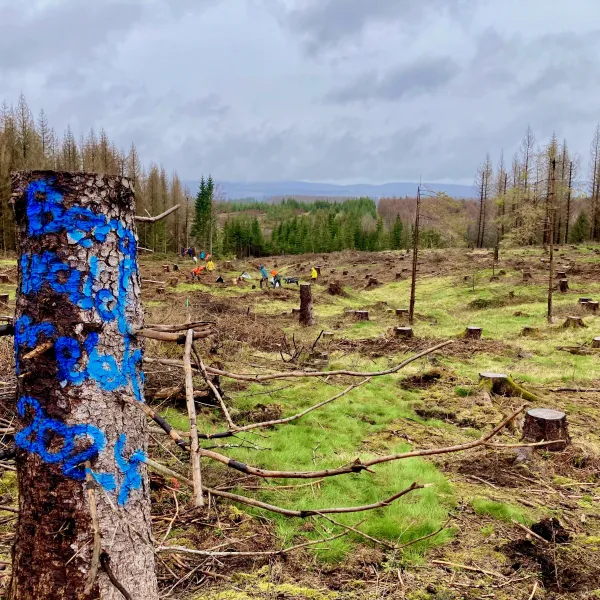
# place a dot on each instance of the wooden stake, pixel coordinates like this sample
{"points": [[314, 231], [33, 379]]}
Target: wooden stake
{"points": [[191, 407]]}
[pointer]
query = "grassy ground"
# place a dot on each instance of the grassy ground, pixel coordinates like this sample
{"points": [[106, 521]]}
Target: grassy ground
{"points": [[476, 498]]}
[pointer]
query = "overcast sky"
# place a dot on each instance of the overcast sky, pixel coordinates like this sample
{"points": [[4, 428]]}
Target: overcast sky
{"points": [[318, 90]]}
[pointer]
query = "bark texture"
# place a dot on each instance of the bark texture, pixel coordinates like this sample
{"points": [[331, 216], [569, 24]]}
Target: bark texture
{"points": [[79, 289], [306, 306]]}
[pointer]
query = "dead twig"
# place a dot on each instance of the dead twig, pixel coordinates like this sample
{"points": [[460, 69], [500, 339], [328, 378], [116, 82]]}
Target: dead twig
{"points": [[445, 563], [213, 387], [105, 562], [529, 532], [181, 550], [93, 573], [381, 542]]}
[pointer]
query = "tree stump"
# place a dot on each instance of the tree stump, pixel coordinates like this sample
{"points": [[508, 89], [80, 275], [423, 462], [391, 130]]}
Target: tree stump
{"points": [[79, 288], [344, 272], [167, 268], [501, 272], [228, 266], [398, 275], [473, 333], [527, 276], [4, 298], [592, 306], [361, 315], [4, 278], [494, 278], [160, 290], [295, 311], [175, 267], [372, 283], [403, 332], [318, 270], [530, 331], [546, 425], [596, 342], [306, 306], [574, 322], [561, 274], [563, 285], [402, 312], [328, 335], [511, 294], [585, 300], [467, 278], [496, 382]]}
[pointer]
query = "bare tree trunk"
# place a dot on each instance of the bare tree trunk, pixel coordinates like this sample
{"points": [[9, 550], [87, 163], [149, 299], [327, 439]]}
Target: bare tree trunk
{"points": [[481, 211], [306, 305], [413, 281], [552, 218], [568, 217], [79, 289]]}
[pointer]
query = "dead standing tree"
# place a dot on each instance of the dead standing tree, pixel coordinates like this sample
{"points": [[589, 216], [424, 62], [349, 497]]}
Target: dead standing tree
{"points": [[415, 261], [78, 304]]}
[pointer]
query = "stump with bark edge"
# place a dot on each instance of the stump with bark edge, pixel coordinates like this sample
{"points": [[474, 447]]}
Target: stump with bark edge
{"points": [[584, 300], [306, 317], [546, 425], [404, 332], [596, 342], [361, 315], [4, 278], [592, 306], [527, 276], [89, 317], [4, 298], [563, 285], [473, 333], [402, 312], [574, 322], [503, 385]]}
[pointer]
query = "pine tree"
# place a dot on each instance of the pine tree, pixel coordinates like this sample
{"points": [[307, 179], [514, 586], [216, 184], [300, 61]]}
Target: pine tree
{"points": [[581, 229], [396, 234]]}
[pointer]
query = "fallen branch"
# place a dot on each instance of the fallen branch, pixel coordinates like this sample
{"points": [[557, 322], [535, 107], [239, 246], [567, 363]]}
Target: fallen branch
{"points": [[165, 336], [175, 328], [141, 219], [163, 423], [159, 468], [224, 434], [357, 466], [529, 532], [361, 533], [182, 550], [258, 378], [578, 390]]}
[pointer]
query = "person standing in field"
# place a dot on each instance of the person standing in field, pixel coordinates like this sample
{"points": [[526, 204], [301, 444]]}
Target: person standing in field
{"points": [[313, 275], [264, 276], [210, 265]]}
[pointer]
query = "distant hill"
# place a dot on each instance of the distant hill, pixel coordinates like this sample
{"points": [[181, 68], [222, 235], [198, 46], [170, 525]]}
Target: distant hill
{"points": [[263, 190]]}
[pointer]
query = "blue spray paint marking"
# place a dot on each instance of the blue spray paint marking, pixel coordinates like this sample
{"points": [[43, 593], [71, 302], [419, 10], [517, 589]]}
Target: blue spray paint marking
{"points": [[132, 479], [78, 362], [43, 431]]}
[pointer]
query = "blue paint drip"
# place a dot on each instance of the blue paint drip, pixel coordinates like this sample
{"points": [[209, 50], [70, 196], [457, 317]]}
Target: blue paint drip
{"points": [[132, 479]]}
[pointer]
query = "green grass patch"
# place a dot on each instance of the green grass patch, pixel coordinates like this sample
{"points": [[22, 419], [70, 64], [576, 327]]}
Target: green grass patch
{"points": [[499, 510]]}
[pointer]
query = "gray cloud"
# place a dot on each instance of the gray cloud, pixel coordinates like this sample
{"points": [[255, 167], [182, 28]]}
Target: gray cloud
{"points": [[411, 87], [423, 76], [325, 23]]}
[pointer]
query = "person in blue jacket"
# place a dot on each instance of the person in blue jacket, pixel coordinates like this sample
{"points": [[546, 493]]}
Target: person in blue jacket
{"points": [[264, 276]]}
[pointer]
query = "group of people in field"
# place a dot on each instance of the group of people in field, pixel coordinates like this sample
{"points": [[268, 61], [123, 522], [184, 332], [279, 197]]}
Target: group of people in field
{"points": [[206, 258], [276, 277], [207, 265]]}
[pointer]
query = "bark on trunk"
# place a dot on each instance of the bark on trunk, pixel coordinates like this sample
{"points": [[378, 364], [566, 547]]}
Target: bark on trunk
{"points": [[545, 425], [306, 305], [79, 289]]}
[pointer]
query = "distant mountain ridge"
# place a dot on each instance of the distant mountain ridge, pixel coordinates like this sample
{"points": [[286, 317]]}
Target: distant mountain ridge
{"points": [[263, 190]]}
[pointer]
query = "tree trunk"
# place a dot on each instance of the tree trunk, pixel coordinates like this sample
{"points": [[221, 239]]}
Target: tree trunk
{"points": [[306, 305], [79, 293]]}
